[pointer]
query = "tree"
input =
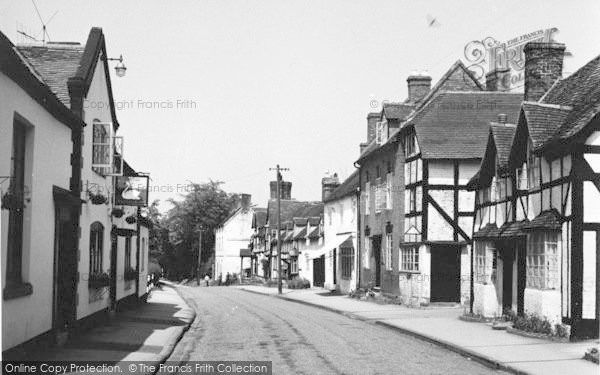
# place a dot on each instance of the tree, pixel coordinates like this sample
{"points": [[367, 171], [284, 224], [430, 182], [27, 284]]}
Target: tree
{"points": [[200, 211]]}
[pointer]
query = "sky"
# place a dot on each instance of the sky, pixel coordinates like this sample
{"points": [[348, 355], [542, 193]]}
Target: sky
{"points": [[225, 90]]}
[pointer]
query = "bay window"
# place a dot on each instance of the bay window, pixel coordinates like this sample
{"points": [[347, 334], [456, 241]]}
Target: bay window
{"points": [[542, 260]]}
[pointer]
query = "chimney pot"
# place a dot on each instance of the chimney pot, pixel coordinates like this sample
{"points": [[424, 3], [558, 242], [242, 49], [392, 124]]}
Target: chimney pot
{"points": [[502, 118]]}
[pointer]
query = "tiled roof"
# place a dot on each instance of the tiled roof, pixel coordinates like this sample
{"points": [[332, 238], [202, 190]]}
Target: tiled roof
{"points": [[301, 234], [581, 91], [457, 78], [454, 125], [300, 221], [490, 230], [513, 229], [543, 120], [550, 220], [55, 63], [503, 135], [314, 220], [397, 111], [260, 217], [19, 69], [291, 209], [314, 234], [498, 149], [347, 187]]}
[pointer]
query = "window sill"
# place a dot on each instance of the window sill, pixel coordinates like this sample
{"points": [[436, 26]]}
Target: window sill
{"points": [[409, 272], [17, 290]]}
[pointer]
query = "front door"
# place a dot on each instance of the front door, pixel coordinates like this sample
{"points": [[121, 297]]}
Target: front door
{"points": [[319, 271], [521, 276], [376, 245], [65, 267], [445, 273], [113, 271], [507, 279]]}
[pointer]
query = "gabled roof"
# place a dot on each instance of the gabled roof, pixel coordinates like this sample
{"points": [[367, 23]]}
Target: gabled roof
{"points": [[581, 91], [300, 221], [543, 120], [455, 125], [17, 68], [291, 209], [64, 65], [457, 78], [497, 151], [314, 220], [314, 234], [550, 220], [259, 219], [55, 63], [301, 234], [397, 111], [348, 187]]}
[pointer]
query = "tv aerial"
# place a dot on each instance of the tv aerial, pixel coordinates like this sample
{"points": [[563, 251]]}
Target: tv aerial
{"points": [[44, 27]]}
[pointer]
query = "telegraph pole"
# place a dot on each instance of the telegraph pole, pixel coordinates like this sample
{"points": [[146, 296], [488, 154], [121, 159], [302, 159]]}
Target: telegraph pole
{"points": [[279, 178]]}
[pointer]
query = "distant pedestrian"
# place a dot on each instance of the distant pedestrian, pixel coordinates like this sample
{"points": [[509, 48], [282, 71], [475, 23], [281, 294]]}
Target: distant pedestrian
{"points": [[227, 278], [206, 279], [220, 278]]}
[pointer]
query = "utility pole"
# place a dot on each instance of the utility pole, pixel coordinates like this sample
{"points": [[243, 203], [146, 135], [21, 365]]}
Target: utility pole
{"points": [[279, 178]]}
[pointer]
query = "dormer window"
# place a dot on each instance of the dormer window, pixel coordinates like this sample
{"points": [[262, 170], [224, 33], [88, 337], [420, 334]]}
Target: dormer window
{"points": [[521, 176]]}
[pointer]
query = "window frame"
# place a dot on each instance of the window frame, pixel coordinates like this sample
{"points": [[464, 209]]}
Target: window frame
{"points": [[96, 246], [346, 262], [409, 259]]}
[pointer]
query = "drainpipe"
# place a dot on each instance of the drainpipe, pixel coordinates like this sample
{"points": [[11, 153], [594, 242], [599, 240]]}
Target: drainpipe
{"points": [[358, 237]]}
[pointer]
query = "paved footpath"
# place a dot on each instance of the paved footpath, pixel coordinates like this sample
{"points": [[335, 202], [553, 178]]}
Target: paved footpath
{"points": [[441, 325], [147, 333]]}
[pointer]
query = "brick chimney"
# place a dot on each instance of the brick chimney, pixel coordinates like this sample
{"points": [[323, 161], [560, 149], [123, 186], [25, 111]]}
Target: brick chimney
{"points": [[543, 66], [245, 201], [419, 84], [372, 119], [362, 147], [498, 80], [286, 190], [328, 185]]}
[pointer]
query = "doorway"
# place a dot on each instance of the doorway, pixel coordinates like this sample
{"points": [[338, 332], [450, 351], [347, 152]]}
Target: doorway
{"points": [[507, 277], [113, 271], [65, 267], [445, 273], [319, 271], [376, 245]]}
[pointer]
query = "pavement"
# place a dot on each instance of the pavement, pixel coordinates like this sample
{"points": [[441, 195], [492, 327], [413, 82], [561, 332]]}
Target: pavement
{"points": [[442, 326], [147, 333]]}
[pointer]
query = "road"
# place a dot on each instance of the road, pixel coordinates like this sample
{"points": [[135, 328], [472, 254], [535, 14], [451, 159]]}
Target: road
{"points": [[236, 325]]}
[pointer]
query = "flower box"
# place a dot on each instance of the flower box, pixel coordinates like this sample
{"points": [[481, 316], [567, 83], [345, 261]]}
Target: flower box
{"points": [[130, 274], [98, 280]]}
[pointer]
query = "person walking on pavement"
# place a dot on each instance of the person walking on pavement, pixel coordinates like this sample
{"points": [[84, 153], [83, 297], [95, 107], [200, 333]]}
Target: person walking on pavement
{"points": [[207, 279]]}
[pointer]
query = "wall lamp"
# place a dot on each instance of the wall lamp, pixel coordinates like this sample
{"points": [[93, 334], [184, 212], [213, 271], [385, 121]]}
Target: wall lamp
{"points": [[120, 68]]}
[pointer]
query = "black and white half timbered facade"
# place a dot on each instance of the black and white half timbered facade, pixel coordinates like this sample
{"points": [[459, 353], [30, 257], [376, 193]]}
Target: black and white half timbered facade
{"points": [[537, 223]]}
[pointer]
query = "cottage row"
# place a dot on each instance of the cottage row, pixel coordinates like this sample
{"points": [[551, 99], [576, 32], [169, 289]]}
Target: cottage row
{"points": [[73, 238], [463, 193]]}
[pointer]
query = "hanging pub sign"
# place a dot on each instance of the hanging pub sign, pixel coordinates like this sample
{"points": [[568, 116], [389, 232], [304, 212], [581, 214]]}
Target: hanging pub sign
{"points": [[132, 191]]}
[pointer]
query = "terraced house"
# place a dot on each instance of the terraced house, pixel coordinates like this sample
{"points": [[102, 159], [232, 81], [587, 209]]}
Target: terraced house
{"points": [[537, 225], [421, 247]]}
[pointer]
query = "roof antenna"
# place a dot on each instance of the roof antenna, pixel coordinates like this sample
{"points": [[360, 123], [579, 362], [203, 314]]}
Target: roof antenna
{"points": [[44, 24]]}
